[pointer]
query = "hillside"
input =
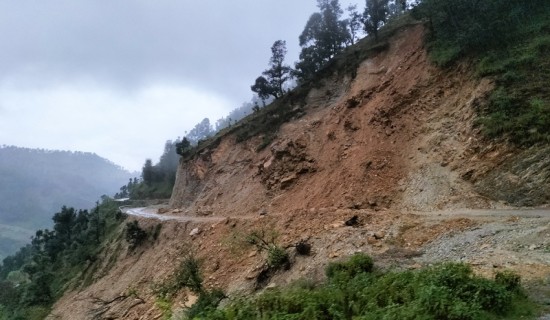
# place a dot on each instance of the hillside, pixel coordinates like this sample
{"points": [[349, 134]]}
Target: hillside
{"points": [[37, 183], [383, 158]]}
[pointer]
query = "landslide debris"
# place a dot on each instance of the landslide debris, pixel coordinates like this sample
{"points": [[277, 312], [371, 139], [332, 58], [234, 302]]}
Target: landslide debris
{"points": [[352, 172]]}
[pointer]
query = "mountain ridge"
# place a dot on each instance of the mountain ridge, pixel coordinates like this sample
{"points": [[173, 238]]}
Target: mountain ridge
{"points": [[38, 182]]}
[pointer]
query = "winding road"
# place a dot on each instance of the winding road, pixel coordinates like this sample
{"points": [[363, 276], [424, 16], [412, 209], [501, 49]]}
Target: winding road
{"points": [[149, 213]]}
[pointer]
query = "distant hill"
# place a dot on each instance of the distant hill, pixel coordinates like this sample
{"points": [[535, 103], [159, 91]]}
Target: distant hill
{"points": [[35, 183]]}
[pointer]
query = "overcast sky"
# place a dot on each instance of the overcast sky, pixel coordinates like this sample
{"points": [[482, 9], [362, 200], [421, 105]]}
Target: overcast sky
{"points": [[121, 77]]}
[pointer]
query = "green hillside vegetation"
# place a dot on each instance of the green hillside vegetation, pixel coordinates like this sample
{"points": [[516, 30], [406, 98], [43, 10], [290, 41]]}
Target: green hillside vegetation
{"points": [[66, 256], [354, 289], [508, 41], [35, 183]]}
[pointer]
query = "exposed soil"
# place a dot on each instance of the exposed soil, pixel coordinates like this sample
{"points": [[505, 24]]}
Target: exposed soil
{"points": [[395, 147]]}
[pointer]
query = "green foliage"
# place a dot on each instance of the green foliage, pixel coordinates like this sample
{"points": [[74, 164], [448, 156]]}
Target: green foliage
{"points": [[357, 264], [277, 257], [35, 183], [510, 280], [324, 36], [443, 292], [510, 41], [206, 303], [158, 179], [33, 278], [276, 76], [187, 275], [135, 235], [374, 16], [165, 306]]}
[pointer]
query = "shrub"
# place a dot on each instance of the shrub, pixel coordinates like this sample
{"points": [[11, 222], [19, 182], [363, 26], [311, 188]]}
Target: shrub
{"points": [[358, 263], [187, 275], [448, 292], [277, 257], [510, 280]]}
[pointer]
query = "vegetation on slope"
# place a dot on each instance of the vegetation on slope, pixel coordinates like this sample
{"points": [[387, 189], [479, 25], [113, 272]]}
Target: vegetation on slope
{"points": [[39, 273], [355, 290], [509, 40], [35, 183]]}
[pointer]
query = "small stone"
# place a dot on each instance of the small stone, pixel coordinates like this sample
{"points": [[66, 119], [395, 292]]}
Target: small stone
{"points": [[195, 232], [371, 240], [379, 235]]}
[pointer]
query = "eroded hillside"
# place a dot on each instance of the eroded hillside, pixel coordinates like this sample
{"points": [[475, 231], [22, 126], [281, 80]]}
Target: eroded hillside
{"points": [[389, 146]]}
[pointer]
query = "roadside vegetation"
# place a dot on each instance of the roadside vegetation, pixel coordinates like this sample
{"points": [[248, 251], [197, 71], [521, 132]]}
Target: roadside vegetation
{"points": [[506, 40], [354, 289], [38, 274]]}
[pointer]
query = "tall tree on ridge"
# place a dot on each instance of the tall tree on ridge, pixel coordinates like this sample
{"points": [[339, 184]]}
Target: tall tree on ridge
{"points": [[324, 36], [375, 15], [273, 79]]}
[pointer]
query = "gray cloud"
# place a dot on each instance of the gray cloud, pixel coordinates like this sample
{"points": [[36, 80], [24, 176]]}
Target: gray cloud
{"points": [[100, 56], [208, 43]]}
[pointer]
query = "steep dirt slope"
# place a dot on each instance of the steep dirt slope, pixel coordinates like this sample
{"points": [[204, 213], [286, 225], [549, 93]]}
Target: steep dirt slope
{"points": [[396, 138], [397, 135]]}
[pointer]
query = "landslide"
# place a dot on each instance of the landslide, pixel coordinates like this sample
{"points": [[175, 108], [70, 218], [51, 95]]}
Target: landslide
{"points": [[395, 136]]}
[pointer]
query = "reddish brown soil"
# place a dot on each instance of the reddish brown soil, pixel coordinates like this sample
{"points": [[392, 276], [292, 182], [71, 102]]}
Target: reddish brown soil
{"points": [[396, 139]]}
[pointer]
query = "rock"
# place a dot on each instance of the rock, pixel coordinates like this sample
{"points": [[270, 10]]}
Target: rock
{"points": [[485, 246], [415, 266], [372, 240], [379, 235], [162, 210], [288, 181], [272, 285], [263, 212], [335, 225], [195, 232]]}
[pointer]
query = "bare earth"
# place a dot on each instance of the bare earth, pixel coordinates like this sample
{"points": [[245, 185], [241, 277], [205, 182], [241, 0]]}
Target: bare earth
{"points": [[395, 146]]}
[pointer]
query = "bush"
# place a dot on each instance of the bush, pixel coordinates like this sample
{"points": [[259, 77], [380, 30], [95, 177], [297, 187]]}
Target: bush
{"points": [[357, 264], [277, 257], [444, 292], [187, 275], [511, 281]]}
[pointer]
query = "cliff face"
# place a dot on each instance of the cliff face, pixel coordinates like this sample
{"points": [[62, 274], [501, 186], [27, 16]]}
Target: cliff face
{"points": [[398, 137]]}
